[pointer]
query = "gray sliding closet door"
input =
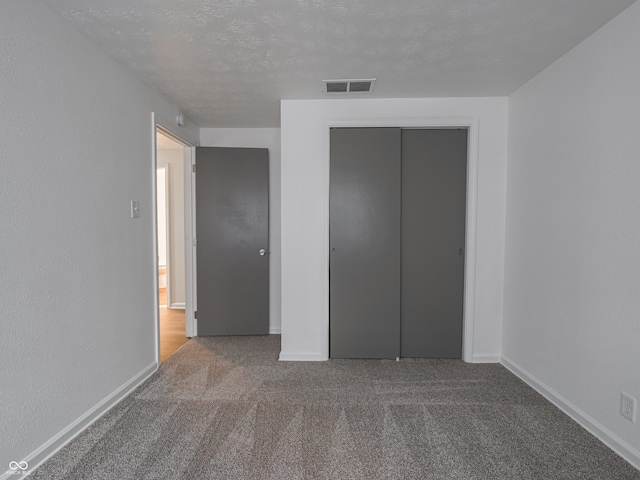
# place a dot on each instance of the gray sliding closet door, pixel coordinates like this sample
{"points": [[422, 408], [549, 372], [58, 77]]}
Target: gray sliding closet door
{"points": [[365, 243], [232, 222], [434, 180]]}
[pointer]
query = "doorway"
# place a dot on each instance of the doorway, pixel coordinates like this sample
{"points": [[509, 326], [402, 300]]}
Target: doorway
{"points": [[170, 221]]}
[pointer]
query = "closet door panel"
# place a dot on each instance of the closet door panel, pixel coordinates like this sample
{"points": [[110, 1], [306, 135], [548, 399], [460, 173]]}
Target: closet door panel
{"points": [[434, 176], [365, 242]]}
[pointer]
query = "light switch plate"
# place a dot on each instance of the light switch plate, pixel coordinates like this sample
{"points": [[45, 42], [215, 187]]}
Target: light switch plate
{"points": [[135, 209]]}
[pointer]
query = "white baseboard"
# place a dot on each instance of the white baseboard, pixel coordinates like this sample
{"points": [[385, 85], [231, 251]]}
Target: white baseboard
{"points": [[301, 357], [606, 436], [486, 359], [275, 330], [316, 357], [177, 306], [48, 449]]}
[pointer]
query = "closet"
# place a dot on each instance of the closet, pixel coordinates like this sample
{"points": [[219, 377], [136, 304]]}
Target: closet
{"points": [[397, 242]]}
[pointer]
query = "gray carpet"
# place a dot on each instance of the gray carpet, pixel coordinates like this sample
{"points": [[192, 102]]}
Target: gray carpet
{"points": [[225, 408]]}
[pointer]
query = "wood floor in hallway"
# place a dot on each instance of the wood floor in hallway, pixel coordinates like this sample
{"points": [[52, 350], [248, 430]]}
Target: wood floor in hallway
{"points": [[172, 328]]}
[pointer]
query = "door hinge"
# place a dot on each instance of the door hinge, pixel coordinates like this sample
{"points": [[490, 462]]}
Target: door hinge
{"points": [[195, 314], [193, 168]]}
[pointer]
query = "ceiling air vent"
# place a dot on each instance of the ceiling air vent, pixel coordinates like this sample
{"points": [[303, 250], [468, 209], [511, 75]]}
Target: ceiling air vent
{"points": [[349, 86]]}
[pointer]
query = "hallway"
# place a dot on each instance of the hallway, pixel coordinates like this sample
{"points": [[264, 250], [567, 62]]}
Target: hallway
{"points": [[172, 328]]}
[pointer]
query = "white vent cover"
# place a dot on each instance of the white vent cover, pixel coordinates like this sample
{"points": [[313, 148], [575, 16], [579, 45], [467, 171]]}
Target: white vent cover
{"points": [[331, 87]]}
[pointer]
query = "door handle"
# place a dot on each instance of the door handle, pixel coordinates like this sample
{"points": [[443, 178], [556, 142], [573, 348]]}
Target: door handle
{"points": [[262, 252]]}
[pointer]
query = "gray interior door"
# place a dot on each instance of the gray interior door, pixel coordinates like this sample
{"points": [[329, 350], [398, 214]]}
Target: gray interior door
{"points": [[232, 230], [434, 184], [365, 243]]}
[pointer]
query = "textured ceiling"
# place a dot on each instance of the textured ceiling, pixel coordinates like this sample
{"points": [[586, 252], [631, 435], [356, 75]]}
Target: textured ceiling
{"points": [[228, 63]]}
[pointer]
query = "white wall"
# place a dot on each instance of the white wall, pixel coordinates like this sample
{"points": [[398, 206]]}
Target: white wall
{"points": [[174, 158], [76, 271], [572, 270], [305, 160], [260, 138]]}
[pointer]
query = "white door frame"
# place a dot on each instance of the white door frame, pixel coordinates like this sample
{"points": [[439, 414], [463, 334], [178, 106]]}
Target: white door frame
{"points": [[167, 232], [189, 229], [470, 123], [190, 242]]}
